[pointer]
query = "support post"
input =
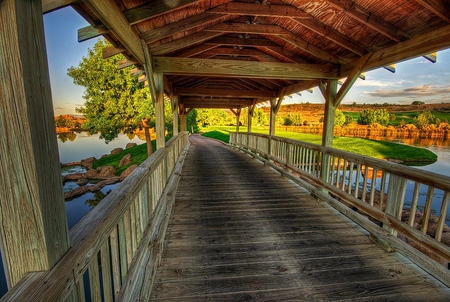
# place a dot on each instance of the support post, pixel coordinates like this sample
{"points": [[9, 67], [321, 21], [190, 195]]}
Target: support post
{"points": [[329, 93], [159, 110], [34, 234], [183, 118], [174, 100], [251, 109], [238, 116]]}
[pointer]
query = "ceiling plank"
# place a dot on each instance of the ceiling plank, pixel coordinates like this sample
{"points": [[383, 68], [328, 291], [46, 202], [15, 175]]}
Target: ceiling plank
{"points": [[438, 7], [231, 41], [311, 49], [153, 9], [243, 28], [179, 26], [51, 5], [230, 68], [112, 17], [234, 52], [186, 91], [366, 17], [251, 9], [330, 34], [184, 42], [415, 47]]}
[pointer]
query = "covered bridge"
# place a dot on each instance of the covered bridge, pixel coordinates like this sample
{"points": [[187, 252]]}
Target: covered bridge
{"points": [[202, 54]]}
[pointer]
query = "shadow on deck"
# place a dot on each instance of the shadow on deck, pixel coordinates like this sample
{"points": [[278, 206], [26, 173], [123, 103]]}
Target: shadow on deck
{"points": [[241, 232]]}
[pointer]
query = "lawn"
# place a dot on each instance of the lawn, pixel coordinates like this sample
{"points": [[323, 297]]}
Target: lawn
{"points": [[373, 148]]}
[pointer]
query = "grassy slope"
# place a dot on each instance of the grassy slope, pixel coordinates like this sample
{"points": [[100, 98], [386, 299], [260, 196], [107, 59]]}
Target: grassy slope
{"points": [[372, 148]]}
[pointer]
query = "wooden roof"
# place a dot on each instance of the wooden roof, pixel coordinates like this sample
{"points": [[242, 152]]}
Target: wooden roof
{"points": [[231, 54]]}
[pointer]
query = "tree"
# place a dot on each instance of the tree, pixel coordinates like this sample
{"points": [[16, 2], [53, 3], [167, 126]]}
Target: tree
{"points": [[339, 118], [424, 119], [115, 101], [294, 119], [370, 116]]}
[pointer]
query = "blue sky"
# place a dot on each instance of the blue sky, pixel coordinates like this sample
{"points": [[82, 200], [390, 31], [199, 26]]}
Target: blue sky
{"points": [[416, 79]]}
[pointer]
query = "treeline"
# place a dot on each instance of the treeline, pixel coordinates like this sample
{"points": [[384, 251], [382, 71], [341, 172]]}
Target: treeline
{"points": [[69, 121]]}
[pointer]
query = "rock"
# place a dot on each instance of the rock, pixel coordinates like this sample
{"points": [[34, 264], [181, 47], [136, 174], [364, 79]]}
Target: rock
{"points": [[116, 150], [82, 182], [126, 160], [75, 176], [128, 171], [87, 162], [91, 174], [76, 192], [130, 145], [105, 172]]}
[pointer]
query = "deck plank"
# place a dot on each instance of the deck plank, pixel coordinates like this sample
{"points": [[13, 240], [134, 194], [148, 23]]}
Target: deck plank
{"points": [[241, 232]]}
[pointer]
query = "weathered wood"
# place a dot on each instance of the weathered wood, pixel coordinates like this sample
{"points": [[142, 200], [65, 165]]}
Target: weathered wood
{"points": [[90, 32], [228, 68], [32, 212], [51, 5], [270, 239]]}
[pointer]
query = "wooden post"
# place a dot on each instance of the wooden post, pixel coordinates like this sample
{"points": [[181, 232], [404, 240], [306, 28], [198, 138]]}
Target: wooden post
{"points": [[330, 110], [251, 109], [33, 220], [183, 117], [174, 100], [148, 138], [238, 116], [159, 110]]}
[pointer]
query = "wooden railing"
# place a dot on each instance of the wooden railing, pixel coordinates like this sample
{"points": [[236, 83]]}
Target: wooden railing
{"points": [[116, 247], [374, 193]]}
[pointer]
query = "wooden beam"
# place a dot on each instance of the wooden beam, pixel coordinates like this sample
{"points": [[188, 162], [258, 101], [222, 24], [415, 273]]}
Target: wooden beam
{"points": [[251, 9], [111, 16], [195, 50], [369, 19], [179, 26], [111, 51], [328, 33], [329, 112], [234, 52], [126, 63], [241, 28], [250, 42], [351, 78], [160, 127], [432, 57], [439, 7], [154, 9], [90, 32], [185, 91], [230, 68], [184, 42], [300, 86], [33, 228], [311, 49], [148, 68], [51, 5], [418, 46]]}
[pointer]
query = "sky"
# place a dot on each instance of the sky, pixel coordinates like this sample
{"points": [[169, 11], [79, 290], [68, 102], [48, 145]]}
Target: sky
{"points": [[414, 80]]}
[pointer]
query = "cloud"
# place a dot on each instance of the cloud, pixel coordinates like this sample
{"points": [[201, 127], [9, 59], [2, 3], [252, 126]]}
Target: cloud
{"points": [[410, 92]]}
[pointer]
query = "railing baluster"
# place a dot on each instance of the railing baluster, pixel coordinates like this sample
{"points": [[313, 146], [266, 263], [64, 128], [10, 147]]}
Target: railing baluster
{"points": [[115, 262], [357, 180], [382, 189], [122, 250], [350, 178], [338, 172], [364, 188], [106, 272], [414, 202], [427, 210], [94, 280], [128, 237], [344, 174], [133, 228], [442, 216], [372, 186]]}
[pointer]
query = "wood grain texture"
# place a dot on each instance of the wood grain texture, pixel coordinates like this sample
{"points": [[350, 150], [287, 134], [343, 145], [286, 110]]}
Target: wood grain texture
{"points": [[32, 212], [269, 240]]}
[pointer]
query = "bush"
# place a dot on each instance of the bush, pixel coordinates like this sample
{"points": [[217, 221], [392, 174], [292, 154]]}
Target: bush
{"points": [[370, 116]]}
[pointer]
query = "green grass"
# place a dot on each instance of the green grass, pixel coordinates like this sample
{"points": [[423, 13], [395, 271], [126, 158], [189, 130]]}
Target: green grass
{"points": [[138, 155], [373, 148], [407, 116]]}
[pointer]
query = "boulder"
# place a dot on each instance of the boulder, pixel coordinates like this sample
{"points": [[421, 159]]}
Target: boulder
{"points": [[75, 176], [82, 182], [126, 160], [128, 171], [105, 172], [130, 145], [76, 192], [91, 174], [116, 150], [87, 162]]}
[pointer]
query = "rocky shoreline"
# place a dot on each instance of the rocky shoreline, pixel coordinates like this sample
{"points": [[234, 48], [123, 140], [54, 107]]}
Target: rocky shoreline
{"points": [[95, 179]]}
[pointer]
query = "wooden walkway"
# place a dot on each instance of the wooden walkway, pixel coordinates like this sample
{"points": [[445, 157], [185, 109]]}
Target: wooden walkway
{"points": [[241, 232]]}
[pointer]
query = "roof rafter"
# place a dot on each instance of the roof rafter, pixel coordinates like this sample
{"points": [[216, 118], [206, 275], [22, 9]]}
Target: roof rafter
{"points": [[371, 20], [439, 7], [230, 68]]}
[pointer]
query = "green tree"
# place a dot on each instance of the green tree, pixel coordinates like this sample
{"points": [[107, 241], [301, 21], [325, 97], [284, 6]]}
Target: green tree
{"points": [[339, 118], [294, 119], [260, 118], [210, 117], [424, 119], [115, 102], [370, 116]]}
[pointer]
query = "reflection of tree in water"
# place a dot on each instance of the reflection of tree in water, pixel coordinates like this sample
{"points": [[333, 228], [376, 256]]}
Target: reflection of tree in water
{"points": [[98, 196], [64, 137]]}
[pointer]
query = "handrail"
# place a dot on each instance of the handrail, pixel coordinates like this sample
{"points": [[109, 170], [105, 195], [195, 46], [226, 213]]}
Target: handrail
{"points": [[377, 189], [105, 242]]}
